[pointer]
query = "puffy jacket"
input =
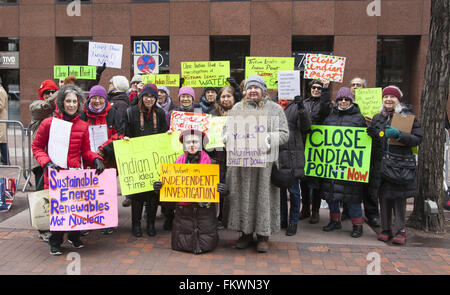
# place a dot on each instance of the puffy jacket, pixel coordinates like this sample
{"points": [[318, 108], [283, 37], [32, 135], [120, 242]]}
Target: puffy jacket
{"points": [[340, 190], [385, 188], [292, 153], [120, 102]]}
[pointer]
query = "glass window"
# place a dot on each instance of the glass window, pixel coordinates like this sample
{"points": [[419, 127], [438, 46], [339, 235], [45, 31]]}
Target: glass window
{"points": [[10, 74], [8, 2]]}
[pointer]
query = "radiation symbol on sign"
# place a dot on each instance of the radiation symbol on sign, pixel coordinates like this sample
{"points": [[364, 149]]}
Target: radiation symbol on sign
{"points": [[146, 63]]}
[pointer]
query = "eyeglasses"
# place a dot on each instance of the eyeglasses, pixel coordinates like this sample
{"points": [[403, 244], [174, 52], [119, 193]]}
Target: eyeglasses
{"points": [[356, 85], [316, 88], [344, 98]]}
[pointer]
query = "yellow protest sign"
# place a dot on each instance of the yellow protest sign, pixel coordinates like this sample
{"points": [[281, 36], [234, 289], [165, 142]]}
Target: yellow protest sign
{"points": [[215, 136], [205, 73], [189, 183], [268, 68], [138, 160], [369, 100], [169, 80]]}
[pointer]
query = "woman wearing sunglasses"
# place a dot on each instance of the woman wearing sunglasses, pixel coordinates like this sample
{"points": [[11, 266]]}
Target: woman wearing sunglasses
{"points": [[344, 113]]}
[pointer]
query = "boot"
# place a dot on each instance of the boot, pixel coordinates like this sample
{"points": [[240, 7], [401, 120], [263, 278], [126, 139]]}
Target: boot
{"points": [[151, 231], [263, 244], [136, 230], [136, 215], [357, 227], [315, 217], [168, 222], [304, 213], [291, 230], [335, 223], [152, 209], [244, 241]]}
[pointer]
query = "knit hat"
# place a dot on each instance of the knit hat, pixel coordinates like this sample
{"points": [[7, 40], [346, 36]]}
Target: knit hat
{"points": [[255, 80], [315, 81], [136, 78], [46, 85], [149, 89], [394, 90], [120, 83], [165, 89], [97, 90], [186, 90], [344, 92]]}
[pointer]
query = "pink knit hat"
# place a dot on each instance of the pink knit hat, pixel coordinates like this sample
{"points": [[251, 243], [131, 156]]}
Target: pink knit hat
{"points": [[186, 90]]}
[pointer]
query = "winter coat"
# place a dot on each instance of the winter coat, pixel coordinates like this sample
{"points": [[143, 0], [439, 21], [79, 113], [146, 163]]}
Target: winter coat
{"points": [[120, 102], [253, 204], [377, 185], [292, 153], [194, 228], [333, 190], [3, 113], [207, 106], [133, 126], [115, 128], [79, 144]]}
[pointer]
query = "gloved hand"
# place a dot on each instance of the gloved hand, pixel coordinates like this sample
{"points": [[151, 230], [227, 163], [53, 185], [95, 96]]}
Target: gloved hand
{"points": [[222, 188], [181, 81], [101, 69], [299, 101], [373, 132], [232, 81], [98, 165], [157, 185], [392, 132], [51, 165]]}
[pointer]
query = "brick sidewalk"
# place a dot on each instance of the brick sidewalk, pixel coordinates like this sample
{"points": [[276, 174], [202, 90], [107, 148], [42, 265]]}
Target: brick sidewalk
{"points": [[121, 253]]}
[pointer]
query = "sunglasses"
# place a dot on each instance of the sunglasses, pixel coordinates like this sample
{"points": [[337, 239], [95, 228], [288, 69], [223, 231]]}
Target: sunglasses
{"points": [[344, 98], [316, 88], [49, 92]]}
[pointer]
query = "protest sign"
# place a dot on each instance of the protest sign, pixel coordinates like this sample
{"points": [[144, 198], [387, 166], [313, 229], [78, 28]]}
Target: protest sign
{"points": [[324, 66], [169, 80], [189, 183], [215, 130], [180, 121], [58, 142], [369, 100], [146, 57], [288, 84], [246, 133], [338, 152], [205, 73], [100, 53], [82, 200], [268, 68], [138, 160], [80, 72]]}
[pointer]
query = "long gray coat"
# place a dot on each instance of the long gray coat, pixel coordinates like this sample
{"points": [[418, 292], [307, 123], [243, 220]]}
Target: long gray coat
{"points": [[253, 204]]}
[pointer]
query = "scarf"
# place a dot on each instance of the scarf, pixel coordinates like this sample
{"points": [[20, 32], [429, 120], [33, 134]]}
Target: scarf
{"points": [[193, 159], [95, 111], [165, 106]]}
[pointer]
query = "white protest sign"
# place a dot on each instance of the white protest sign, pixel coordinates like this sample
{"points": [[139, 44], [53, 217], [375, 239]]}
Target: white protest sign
{"points": [[288, 84], [98, 135], [146, 57], [108, 53], [58, 142]]}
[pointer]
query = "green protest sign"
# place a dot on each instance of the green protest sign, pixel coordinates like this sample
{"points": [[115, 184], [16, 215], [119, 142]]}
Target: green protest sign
{"points": [[80, 72], [169, 80], [369, 100], [138, 160], [205, 73], [268, 68], [338, 152]]}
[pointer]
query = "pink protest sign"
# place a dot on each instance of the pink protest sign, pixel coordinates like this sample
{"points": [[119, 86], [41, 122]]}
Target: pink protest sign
{"points": [[82, 200], [180, 121], [324, 66]]}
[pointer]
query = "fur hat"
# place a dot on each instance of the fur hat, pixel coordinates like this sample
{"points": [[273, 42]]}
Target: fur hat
{"points": [[120, 83], [255, 80]]}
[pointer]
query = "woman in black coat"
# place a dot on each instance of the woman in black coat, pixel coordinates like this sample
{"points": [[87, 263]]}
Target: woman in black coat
{"points": [[145, 118], [345, 113], [392, 195]]}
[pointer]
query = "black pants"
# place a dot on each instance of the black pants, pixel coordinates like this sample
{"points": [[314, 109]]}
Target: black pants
{"points": [[137, 204], [4, 153], [56, 239], [310, 196], [38, 172]]}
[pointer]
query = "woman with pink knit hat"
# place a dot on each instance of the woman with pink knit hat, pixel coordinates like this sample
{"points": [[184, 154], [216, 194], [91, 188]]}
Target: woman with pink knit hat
{"points": [[392, 192]]}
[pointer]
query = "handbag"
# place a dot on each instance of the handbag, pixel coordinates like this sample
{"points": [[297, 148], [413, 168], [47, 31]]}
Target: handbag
{"points": [[398, 169], [7, 193], [38, 203], [282, 179]]}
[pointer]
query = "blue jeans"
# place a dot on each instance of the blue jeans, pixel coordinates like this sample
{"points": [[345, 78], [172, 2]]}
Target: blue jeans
{"points": [[354, 210], [294, 211]]}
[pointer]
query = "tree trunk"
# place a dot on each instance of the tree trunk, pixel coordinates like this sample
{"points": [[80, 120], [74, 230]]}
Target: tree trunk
{"points": [[433, 108]]}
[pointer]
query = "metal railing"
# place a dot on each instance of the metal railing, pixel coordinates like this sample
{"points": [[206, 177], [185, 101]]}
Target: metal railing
{"points": [[19, 149]]}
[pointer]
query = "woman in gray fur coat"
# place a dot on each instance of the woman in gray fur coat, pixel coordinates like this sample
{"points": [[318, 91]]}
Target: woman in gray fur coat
{"points": [[253, 205]]}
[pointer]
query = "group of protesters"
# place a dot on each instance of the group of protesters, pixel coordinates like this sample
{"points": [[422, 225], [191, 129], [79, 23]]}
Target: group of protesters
{"points": [[249, 200]]}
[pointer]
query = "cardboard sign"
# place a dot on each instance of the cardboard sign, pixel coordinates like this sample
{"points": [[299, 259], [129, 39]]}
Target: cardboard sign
{"points": [[402, 122], [180, 121], [369, 100], [288, 84], [246, 135], [146, 57], [82, 200], [205, 73], [108, 53], [215, 133], [324, 66], [139, 158], [169, 80], [80, 72], [268, 68], [189, 183], [341, 153]]}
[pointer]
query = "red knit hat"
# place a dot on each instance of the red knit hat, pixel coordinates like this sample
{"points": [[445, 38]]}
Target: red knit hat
{"points": [[393, 90], [46, 85]]}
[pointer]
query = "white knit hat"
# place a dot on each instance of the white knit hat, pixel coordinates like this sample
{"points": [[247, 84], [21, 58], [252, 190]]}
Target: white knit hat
{"points": [[120, 83]]}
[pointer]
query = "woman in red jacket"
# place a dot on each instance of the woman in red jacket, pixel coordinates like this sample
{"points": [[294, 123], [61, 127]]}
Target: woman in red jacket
{"points": [[68, 108]]}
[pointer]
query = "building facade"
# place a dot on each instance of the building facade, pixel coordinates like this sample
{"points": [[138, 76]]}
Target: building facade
{"points": [[387, 49]]}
